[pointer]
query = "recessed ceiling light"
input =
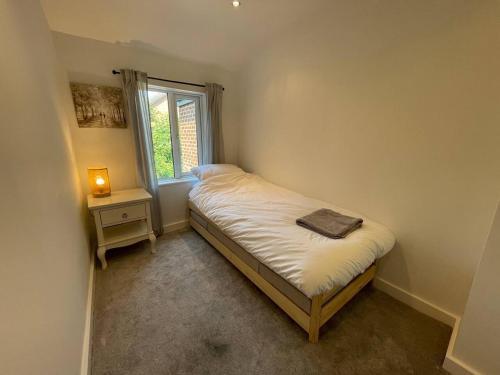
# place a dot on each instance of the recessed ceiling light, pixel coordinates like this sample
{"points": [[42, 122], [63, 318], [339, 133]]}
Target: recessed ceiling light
{"points": [[236, 3]]}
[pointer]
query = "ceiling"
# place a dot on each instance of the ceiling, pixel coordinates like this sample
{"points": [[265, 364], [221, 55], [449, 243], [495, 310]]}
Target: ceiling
{"points": [[208, 31]]}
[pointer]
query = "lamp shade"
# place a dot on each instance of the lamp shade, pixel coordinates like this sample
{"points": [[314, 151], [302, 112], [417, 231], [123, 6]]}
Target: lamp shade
{"points": [[99, 182]]}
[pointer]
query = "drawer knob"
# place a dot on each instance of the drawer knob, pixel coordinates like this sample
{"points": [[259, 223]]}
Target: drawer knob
{"points": [[124, 215]]}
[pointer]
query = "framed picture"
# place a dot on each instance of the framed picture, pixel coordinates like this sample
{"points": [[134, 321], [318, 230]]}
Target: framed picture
{"points": [[98, 106]]}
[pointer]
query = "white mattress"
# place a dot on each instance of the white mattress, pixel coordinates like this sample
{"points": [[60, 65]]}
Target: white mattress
{"points": [[260, 217]]}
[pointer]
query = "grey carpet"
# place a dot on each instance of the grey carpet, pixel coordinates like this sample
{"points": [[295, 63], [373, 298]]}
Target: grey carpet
{"points": [[186, 310]]}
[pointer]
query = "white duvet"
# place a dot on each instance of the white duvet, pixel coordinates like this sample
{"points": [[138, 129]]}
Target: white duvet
{"points": [[260, 217]]}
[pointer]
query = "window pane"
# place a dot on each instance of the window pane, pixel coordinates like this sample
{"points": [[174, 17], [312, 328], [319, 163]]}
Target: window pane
{"points": [[186, 122], [160, 129]]}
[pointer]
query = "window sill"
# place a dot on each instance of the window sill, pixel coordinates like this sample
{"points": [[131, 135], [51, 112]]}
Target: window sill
{"points": [[174, 181]]}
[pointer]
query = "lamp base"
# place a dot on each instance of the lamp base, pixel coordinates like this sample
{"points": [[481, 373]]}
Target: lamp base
{"points": [[101, 195]]}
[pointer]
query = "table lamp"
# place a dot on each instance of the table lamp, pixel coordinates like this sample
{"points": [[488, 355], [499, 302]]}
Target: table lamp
{"points": [[99, 182]]}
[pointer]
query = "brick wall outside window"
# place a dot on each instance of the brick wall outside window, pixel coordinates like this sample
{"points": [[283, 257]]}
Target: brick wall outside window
{"points": [[187, 136]]}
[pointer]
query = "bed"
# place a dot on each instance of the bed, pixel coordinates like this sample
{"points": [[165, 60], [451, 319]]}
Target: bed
{"points": [[252, 223]]}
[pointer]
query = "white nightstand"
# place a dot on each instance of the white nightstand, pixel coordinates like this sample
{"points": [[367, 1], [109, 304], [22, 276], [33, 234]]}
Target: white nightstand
{"points": [[121, 219]]}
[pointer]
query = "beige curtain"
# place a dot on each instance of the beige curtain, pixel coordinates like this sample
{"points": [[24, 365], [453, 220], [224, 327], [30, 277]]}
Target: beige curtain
{"points": [[135, 91], [213, 147]]}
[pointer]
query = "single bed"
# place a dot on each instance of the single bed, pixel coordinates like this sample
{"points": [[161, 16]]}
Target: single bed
{"points": [[252, 223]]}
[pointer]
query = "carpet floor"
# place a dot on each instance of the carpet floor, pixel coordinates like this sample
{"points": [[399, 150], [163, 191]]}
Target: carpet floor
{"points": [[186, 310]]}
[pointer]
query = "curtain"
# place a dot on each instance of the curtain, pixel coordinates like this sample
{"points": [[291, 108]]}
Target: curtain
{"points": [[135, 92], [213, 149]]}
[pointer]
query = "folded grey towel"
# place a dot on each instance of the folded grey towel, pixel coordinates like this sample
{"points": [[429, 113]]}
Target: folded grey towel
{"points": [[330, 223]]}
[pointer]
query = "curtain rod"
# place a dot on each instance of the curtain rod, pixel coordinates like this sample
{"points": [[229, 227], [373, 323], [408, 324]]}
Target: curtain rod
{"points": [[170, 80]]}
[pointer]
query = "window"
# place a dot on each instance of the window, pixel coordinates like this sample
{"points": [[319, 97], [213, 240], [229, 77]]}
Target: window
{"points": [[176, 123]]}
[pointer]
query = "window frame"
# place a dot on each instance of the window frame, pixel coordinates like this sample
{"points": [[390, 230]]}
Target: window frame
{"points": [[173, 94]]}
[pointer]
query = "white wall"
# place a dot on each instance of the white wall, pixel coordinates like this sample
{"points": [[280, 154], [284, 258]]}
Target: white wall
{"points": [[174, 198], [478, 340], [91, 61], [392, 109], [44, 253]]}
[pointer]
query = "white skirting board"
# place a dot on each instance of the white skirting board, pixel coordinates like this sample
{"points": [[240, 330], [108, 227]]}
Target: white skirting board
{"points": [[416, 302], [87, 334], [451, 364], [456, 367], [175, 226]]}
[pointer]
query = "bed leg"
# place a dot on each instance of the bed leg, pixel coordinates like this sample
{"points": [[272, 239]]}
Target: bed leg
{"points": [[315, 319]]}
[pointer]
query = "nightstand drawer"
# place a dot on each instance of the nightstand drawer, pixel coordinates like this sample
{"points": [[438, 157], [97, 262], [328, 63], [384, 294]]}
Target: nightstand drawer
{"points": [[123, 214]]}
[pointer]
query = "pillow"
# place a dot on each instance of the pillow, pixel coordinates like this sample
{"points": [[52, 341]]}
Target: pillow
{"points": [[209, 170]]}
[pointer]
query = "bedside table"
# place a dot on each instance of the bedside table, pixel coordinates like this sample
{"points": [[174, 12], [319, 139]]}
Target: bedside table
{"points": [[121, 219]]}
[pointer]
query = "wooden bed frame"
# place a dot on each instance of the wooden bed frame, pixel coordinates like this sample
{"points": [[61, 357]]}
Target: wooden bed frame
{"points": [[320, 312]]}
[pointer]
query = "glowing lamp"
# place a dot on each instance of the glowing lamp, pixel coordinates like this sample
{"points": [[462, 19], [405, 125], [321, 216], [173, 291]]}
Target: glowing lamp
{"points": [[99, 182]]}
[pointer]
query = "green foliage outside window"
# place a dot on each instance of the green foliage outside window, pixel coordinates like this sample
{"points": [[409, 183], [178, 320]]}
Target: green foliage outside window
{"points": [[162, 145]]}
